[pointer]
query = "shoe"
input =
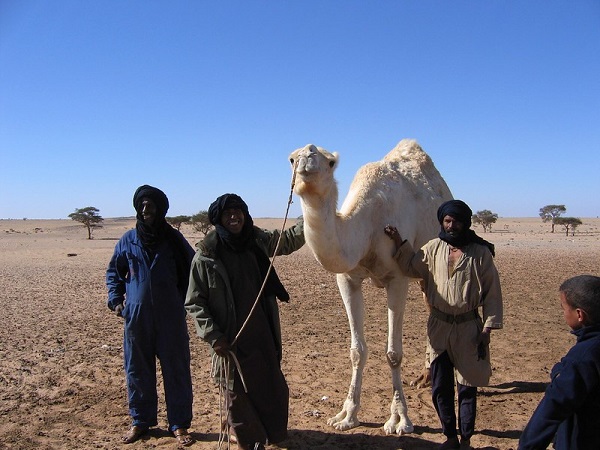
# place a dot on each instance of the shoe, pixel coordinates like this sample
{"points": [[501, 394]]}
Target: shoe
{"points": [[133, 434], [465, 444], [183, 437], [450, 444]]}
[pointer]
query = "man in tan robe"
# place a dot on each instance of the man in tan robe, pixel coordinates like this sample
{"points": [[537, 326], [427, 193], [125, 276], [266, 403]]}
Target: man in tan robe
{"points": [[459, 278]]}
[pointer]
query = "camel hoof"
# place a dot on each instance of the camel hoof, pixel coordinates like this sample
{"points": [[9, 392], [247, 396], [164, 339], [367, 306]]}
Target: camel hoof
{"points": [[389, 428], [404, 428], [393, 426], [343, 424]]}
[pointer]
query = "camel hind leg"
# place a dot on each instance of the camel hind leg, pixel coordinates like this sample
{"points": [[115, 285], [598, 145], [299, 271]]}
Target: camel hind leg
{"points": [[350, 290], [398, 422]]}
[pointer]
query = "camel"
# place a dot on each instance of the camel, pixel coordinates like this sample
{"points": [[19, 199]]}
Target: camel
{"points": [[403, 189]]}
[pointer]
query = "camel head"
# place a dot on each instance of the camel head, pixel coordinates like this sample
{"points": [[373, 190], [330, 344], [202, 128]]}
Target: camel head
{"points": [[314, 168]]}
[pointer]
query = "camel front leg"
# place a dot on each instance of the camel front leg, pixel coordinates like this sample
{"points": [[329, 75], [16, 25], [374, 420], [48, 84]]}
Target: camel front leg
{"points": [[351, 293], [398, 422]]}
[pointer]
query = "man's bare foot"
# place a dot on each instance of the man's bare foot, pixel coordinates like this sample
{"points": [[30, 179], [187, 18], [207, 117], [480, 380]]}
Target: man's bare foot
{"points": [[423, 380], [133, 434]]}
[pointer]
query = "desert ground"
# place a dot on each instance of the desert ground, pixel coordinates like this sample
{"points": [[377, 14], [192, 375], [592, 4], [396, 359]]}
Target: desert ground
{"points": [[62, 382]]}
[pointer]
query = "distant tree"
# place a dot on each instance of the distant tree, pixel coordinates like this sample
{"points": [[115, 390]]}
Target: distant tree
{"points": [[177, 221], [201, 223], [89, 217], [550, 213], [569, 223], [485, 218]]}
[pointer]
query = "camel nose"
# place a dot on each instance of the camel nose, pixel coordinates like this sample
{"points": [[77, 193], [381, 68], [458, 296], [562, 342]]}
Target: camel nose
{"points": [[301, 163], [305, 160]]}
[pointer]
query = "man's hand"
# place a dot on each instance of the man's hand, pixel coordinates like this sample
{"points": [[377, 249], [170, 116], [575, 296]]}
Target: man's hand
{"points": [[392, 233], [222, 347], [484, 336], [483, 340], [119, 309]]}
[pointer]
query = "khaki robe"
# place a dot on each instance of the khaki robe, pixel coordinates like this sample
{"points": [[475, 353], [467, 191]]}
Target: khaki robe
{"points": [[473, 284]]}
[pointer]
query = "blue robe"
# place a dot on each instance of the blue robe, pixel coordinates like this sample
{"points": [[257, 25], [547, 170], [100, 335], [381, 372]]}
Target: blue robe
{"points": [[155, 326]]}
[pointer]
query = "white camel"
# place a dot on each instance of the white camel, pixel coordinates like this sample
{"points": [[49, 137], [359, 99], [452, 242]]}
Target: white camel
{"points": [[403, 189]]}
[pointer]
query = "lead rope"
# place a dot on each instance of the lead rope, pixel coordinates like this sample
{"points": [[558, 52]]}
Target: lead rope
{"points": [[221, 365]]}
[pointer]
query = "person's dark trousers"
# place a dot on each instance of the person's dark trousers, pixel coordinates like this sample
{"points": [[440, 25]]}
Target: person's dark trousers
{"points": [[442, 395], [467, 410]]}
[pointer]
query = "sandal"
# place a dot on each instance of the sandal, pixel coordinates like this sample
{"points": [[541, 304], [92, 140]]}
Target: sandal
{"points": [[183, 437], [133, 434]]}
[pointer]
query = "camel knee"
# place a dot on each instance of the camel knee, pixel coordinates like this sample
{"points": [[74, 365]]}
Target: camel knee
{"points": [[357, 357], [394, 359]]}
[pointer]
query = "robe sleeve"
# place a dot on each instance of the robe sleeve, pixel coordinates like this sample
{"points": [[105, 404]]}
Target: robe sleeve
{"points": [[411, 263], [491, 294]]}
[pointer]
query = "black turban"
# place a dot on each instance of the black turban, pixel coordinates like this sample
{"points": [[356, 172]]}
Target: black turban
{"points": [[153, 235], [245, 240], [226, 201], [156, 195], [457, 209], [461, 212]]}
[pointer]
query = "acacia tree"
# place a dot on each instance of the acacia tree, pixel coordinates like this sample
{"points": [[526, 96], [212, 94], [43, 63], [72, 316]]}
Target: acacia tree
{"points": [[569, 223], [485, 218], [550, 213], [89, 217], [201, 222], [177, 221]]}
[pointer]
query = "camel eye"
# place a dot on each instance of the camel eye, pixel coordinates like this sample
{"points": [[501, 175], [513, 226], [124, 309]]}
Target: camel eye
{"points": [[331, 163], [292, 161]]}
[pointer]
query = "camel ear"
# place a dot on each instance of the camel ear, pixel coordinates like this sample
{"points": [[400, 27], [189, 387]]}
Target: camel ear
{"points": [[334, 159]]}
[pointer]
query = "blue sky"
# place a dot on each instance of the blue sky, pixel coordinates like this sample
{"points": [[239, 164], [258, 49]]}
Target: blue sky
{"points": [[201, 97]]}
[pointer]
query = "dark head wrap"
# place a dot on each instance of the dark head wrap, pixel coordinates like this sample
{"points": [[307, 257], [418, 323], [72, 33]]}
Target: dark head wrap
{"points": [[237, 242], [461, 212], [457, 209], [245, 240], [153, 235]]}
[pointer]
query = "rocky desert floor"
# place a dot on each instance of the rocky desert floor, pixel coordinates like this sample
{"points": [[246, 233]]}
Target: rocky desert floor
{"points": [[62, 382]]}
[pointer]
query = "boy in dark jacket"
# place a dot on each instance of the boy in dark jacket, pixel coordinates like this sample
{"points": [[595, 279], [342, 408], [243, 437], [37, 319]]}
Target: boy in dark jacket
{"points": [[570, 409]]}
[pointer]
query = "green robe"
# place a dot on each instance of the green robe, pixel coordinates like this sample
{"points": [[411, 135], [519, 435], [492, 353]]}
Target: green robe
{"points": [[209, 299]]}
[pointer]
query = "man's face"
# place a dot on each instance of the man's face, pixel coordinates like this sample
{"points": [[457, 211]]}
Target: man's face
{"points": [[233, 220], [452, 226], [148, 211]]}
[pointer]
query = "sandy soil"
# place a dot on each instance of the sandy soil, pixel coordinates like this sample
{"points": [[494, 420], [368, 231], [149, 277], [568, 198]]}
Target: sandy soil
{"points": [[61, 377]]}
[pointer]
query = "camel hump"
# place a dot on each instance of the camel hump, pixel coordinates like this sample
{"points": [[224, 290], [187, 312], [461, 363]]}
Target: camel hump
{"points": [[410, 161], [405, 165], [408, 153]]}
